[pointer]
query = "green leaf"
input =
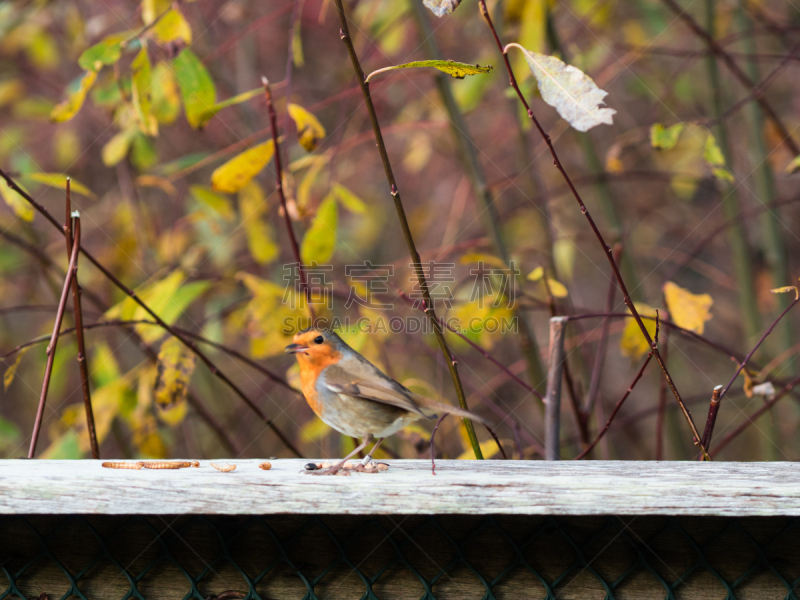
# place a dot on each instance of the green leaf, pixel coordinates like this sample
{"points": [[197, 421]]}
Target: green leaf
{"points": [[166, 297], [234, 174], [441, 7], [569, 90], [243, 97], [320, 239], [665, 138], [197, 87], [59, 181], [103, 53], [216, 202], [18, 204], [69, 107], [723, 174], [349, 200], [143, 153], [455, 69], [182, 163]]}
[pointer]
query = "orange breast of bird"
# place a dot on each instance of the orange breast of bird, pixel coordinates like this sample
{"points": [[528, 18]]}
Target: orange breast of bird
{"points": [[309, 373]]}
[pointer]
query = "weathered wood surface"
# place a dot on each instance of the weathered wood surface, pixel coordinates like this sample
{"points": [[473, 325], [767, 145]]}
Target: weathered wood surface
{"points": [[459, 488]]}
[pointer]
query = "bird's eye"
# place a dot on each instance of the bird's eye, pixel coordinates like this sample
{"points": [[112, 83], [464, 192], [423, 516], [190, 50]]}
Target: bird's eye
{"points": [[319, 339]]}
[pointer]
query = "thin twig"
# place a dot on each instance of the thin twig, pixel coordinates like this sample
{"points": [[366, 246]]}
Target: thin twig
{"points": [[606, 249], [621, 401], [273, 123], [483, 193], [751, 418], [51, 350], [433, 434], [600, 356], [344, 34], [713, 409], [662, 403], [496, 441], [737, 72], [753, 351], [83, 359], [132, 294]]}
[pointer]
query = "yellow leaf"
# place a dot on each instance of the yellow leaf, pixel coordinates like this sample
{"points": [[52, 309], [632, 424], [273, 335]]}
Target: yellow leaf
{"points": [[793, 166], [633, 343], [349, 200], [172, 26], [319, 241], [234, 174], [488, 449], [140, 90], [478, 257], [175, 414], [690, 311], [116, 149], [310, 177], [59, 181], [11, 371], [455, 69], [69, 107], [309, 130], [18, 204], [164, 95], [175, 367], [787, 288], [536, 274], [557, 288], [252, 206]]}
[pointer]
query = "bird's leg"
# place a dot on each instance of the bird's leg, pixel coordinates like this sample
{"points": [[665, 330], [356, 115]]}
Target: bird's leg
{"points": [[335, 468], [368, 457]]}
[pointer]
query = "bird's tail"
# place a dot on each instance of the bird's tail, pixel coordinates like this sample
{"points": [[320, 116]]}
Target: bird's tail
{"points": [[430, 408]]}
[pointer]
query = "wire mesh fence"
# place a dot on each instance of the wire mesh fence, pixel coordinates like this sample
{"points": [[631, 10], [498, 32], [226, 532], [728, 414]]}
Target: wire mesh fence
{"points": [[327, 557]]}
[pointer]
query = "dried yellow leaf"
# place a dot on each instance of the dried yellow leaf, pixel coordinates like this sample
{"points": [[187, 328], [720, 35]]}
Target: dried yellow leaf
{"points": [[309, 130], [234, 174], [633, 343], [787, 288], [690, 311]]}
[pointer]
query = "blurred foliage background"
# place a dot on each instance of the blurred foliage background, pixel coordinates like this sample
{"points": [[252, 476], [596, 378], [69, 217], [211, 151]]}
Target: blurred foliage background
{"points": [[145, 103]]}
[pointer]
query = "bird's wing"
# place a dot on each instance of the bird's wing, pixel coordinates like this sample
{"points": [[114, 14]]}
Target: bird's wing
{"points": [[387, 391], [382, 390]]}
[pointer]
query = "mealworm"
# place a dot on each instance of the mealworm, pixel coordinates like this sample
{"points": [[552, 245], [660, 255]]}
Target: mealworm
{"points": [[122, 465], [265, 466], [195, 464], [224, 468], [164, 464]]}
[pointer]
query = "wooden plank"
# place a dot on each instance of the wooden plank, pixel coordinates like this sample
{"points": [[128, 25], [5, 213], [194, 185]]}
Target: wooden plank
{"points": [[459, 488]]}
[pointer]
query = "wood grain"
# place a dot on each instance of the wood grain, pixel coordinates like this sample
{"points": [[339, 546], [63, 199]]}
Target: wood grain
{"points": [[459, 488]]}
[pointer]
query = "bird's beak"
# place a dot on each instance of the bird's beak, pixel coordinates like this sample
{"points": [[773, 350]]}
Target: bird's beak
{"points": [[295, 348]]}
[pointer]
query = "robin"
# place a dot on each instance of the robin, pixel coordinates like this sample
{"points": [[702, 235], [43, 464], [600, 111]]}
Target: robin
{"points": [[353, 396]]}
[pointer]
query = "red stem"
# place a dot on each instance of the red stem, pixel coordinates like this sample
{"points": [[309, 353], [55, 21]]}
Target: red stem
{"points": [[273, 123], [51, 350], [620, 403]]}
